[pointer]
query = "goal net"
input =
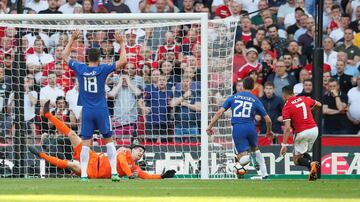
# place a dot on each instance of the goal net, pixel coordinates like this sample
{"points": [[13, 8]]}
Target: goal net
{"points": [[169, 57]]}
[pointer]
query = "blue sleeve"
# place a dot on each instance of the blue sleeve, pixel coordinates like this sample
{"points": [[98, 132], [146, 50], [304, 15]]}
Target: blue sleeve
{"points": [[260, 109], [227, 103], [74, 65], [108, 68], [177, 94]]}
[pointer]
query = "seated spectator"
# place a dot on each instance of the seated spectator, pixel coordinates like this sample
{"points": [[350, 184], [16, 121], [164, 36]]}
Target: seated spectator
{"points": [[239, 59], [355, 15], [63, 113], [307, 89], [290, 68], [72, 98], [306, 41], [157, 102], [349, 69], [353, 112], [117, 6], [266, 49], [334, 110], [37, 61], [51, 91], [352, 52], [256, 42], [284, 10], [252, 64], [300, 21], [281, 78], [330, 56], [326, 78], [187, 105], [257, 20], [5, 111], [52, 9], [344, 79], [258, 90], [299, 60], [335, 18], [37, 5], [298, 88], [127, 93], [69, 7], [30, 101], [306, 24], [277, 42], [244, 31], [337, 34], [273, 105]]}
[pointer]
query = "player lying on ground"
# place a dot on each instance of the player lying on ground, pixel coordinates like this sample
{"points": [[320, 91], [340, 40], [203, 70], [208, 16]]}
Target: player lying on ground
{"points": [[244, 106], [297, 113], [95, 112], [99, 165]]}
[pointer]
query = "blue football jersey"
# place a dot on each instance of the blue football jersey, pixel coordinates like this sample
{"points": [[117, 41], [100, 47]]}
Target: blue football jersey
{"points": [[91, 83], [244, 106]]}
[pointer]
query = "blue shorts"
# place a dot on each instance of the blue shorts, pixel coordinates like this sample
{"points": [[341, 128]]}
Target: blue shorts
{"points": [[93, 119], [244, 136]]}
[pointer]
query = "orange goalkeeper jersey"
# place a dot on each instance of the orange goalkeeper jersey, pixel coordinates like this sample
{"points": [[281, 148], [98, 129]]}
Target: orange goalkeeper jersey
{"points": [[99, 165]]}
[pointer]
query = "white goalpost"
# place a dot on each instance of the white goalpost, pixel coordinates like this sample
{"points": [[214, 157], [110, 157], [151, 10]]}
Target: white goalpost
{"points": [[175, 45]]}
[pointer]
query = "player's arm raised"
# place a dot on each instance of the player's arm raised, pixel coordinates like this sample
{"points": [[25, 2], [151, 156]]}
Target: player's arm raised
{"points": [[67, 50], [122, 59], [213, 121]]}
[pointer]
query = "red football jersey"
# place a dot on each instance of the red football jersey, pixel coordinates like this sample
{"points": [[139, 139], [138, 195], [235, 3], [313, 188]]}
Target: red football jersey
{"points": [[298, 110], [133, 54], [247, 68], [164, 49]]}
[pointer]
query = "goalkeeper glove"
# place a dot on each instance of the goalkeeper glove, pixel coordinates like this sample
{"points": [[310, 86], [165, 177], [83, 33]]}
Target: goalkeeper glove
{"points": [[168, 174]]}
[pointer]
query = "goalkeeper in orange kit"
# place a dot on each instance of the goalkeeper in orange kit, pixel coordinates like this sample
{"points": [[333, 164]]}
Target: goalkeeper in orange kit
{"points": [[99, 164]]}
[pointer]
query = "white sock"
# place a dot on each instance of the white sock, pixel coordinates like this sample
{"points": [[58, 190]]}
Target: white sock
{"points": [[261, 161], [84, 160], [111, 152], [244, 160]]}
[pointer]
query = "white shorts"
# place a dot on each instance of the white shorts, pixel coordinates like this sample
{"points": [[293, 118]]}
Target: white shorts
{"points": [[304, 140]]}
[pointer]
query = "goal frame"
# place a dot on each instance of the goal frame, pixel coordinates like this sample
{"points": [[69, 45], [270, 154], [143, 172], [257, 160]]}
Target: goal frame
{"points": [[203, 19]]}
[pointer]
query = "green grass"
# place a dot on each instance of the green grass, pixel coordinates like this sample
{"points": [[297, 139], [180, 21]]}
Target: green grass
{"points": [[64, 190]]}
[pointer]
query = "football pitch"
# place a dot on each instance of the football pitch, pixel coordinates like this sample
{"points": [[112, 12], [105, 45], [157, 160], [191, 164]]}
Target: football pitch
{"points": [[65, 190]]}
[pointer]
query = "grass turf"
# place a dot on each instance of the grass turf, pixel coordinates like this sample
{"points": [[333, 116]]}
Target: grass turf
{"points": [[65, 190]]}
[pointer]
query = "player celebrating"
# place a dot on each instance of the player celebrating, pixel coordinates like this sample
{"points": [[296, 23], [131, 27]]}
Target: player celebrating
{"points": [[99, 164], [244, 106], [95, 113], [297, 113]]}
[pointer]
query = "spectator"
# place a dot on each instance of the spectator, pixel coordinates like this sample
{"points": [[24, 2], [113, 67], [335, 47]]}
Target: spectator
{"points": [[352, 52], [252, 64], [337, 34], [343, 79], [169, 46], [158, 110], [354, 24], [6, 46], [161, 6], [87, 6], [132, 48], [326, 78], [309, 22], [290, 68], [239, 86], [146, 74], [117, 6], [134, 5], [68, 8], [187, 105], [306, 41], [281, 78], [188, 6], [50, 91], [327, 15], [290, 18], [300, 22], [63, 113], [257, 20], [37, 61], [330, 56], [284, 10], [72, 98], [334, 110], [299, 60], [266, 49], [256, 42], [273, 106], [335, 18], [127, 93], [239, 58], [351, 9], [221, 9], [5, 115], [245, 32], [235, 10], [354, 108], [58, 59], [30, 101], [299, 87], [222, 43], [276, 41], [52, 9], [258, 89], [307, 88], [349, 69], [37, 5]]}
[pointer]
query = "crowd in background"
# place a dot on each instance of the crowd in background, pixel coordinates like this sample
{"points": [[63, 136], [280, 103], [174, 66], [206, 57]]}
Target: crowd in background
{"points": [[157, 95]]}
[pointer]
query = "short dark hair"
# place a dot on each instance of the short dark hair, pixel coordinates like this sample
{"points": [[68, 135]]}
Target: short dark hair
{"points": [[336, 6], [248, 83], [288, 90], [307, 80], [333, 80], [93, 54], [269, 83], [273, 25]]}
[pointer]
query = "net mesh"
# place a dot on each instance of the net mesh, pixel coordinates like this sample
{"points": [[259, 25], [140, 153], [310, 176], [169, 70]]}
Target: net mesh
{"points": [[163, 65]]}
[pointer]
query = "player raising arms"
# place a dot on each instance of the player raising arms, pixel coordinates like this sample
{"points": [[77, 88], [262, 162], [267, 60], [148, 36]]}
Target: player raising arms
{"points": [[95, 113], [244, 106], [99, 164], [297, 113]]}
